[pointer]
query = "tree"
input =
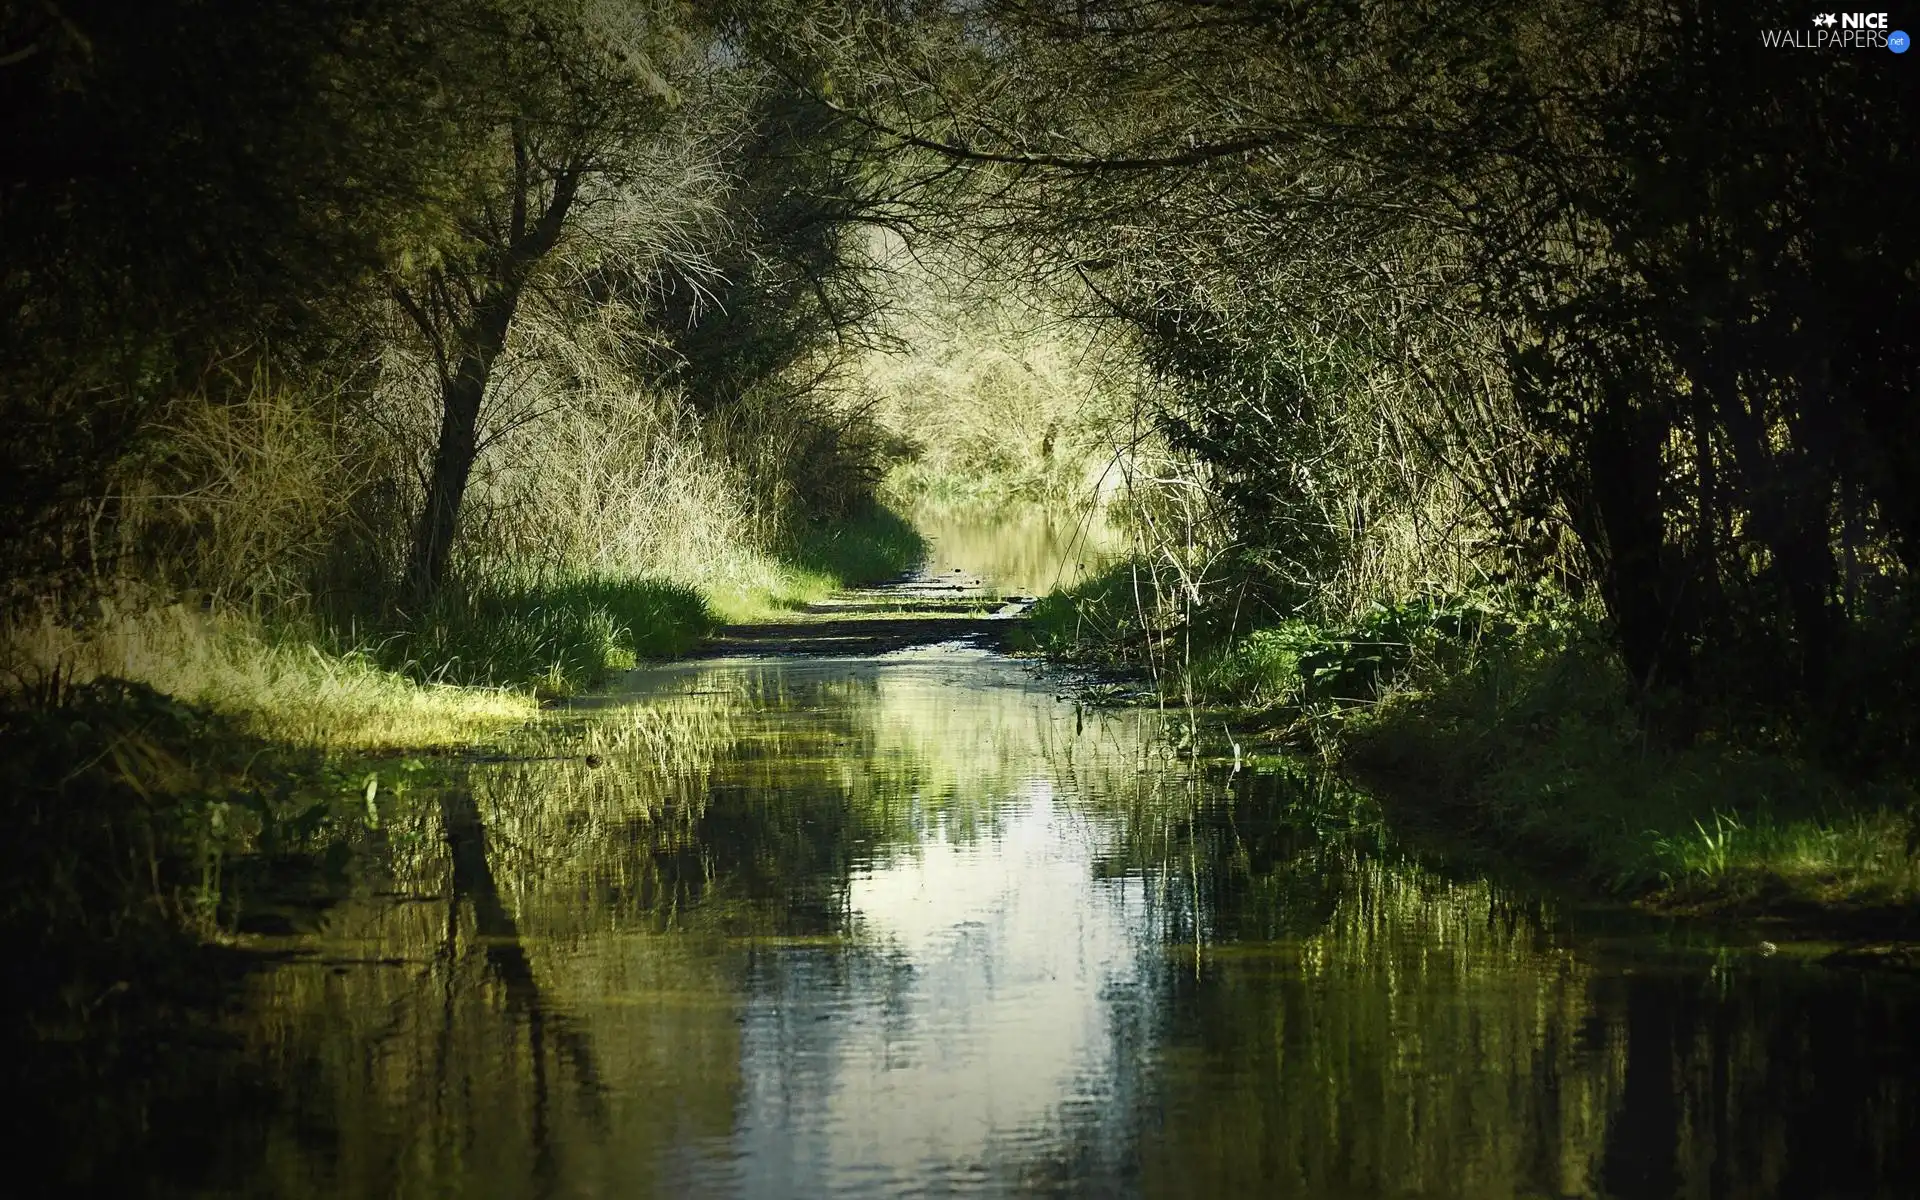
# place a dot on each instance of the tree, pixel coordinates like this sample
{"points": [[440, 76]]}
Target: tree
{"points": [[183, 185], [1670, 259], [559, 101]]}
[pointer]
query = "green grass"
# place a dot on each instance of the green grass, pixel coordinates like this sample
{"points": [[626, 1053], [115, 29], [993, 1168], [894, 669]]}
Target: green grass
{"points": [[1098, 619], [1303, 665], [560, 637], [872, 546], [1536, 748], [471, 664], [271, 683], [1521, 730]]}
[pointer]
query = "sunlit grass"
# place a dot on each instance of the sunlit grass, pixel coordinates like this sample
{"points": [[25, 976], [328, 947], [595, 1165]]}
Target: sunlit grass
{"points": [[474, 661], [868, 547], [282, 689], [559, 637], [1538, 746], [1103, 616], [1844, 858]]}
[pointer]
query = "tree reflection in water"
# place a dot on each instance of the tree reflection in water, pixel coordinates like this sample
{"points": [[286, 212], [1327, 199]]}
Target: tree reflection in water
{"points": [[869, 926]]}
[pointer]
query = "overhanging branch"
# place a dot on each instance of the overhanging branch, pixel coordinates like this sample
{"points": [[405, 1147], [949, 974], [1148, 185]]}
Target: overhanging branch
{"points": [[1191, 157]]}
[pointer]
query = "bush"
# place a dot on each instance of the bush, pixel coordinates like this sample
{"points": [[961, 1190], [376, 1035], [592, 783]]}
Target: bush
{"points": [[1299, 664], [1100, 618], [561, 637], [873, 545]]}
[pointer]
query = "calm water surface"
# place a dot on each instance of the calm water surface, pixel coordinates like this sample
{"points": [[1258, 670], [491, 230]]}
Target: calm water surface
{"points": [[916, 925]]}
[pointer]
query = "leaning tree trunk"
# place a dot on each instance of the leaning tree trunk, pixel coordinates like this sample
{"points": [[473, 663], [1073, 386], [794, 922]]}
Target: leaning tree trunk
{"points": [[461, 394], [463, 387]]}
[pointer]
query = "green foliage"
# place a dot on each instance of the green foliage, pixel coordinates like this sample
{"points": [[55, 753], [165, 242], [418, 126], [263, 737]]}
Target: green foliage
{"points": [[989, 402], [1300, 663], [1522, 727], [185, 183], [791, 287], [1478, 293], [1541, 745], [1100, 618], [872, 546], [1707, 854], [560, 637], [564, 635], [265, 332]]}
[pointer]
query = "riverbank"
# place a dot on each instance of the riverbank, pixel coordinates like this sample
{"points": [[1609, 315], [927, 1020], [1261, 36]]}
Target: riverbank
{"points": [[1580, 795], [830, 856], [1516, 734], [175, 777]]}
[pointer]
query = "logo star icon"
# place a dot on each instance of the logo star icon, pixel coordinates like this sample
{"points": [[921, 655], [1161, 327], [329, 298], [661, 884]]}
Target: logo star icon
{"points": [[1827, 19]]}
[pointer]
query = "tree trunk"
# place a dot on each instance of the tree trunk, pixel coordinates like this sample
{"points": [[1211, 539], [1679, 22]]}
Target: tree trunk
{"points": [[463, 388], [461, 395], [1620, 517]]}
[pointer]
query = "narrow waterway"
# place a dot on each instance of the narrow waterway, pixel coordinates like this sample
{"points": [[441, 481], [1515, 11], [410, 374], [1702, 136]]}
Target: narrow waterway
{"points": [[910, 921]]}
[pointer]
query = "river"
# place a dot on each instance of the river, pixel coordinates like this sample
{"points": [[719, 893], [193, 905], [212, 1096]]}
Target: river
{"points": [[919, 923]]}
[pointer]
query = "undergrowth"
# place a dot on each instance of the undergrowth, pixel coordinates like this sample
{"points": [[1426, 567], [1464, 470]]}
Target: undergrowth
{"points": [[871, 546], [559, 637], [1518, 725], [1104, 617], [1539, 743], [137, 821], [271, 683]]}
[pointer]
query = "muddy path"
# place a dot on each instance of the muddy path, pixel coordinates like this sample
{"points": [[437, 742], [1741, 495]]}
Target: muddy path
{"points": [[921, 609]]}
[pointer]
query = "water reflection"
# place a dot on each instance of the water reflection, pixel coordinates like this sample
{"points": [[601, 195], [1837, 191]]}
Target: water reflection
{"points": [[915, 925], [975, 1009], [1020, 547]]}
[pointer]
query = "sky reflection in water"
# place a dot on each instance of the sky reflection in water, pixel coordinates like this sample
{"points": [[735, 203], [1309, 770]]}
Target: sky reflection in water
{"points": [[914, 925]]}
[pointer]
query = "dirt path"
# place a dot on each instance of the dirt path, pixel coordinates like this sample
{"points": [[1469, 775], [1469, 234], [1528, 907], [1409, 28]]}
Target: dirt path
{"points": [[918, 610]]}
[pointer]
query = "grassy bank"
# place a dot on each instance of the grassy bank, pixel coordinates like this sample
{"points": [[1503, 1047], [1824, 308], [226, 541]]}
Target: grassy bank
{"points": [[1518, 731], [374, 676], [1535, 747], [143, 827], [872, 545], [267, 682], [164, 765], [556, 637]]}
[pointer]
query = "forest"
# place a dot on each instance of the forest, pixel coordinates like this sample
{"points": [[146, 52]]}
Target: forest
{"points": [[1509, 406]]}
